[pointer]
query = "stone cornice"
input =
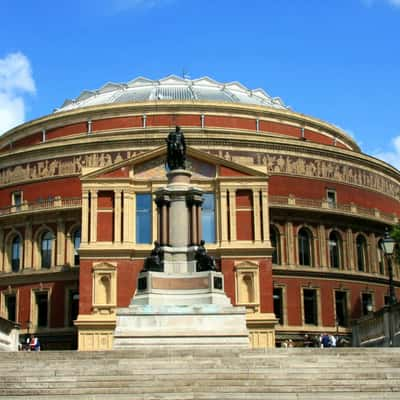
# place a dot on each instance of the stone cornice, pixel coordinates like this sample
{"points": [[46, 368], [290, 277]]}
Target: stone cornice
{"points": [[332, 275], [31, 276], [198, 107]]}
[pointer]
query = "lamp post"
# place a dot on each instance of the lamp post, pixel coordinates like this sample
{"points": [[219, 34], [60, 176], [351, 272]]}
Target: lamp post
{"points": [[388, 244]]}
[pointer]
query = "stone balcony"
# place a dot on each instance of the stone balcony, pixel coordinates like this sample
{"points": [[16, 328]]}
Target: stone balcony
{"points": [[42, 205], [351, 209]]}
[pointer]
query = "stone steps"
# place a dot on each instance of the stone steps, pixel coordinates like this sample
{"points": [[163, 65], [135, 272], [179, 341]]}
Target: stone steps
{"points": [[279, 374]]}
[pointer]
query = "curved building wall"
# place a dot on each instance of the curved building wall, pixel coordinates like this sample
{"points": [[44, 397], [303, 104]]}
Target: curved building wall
{"points": [[312, 181]]}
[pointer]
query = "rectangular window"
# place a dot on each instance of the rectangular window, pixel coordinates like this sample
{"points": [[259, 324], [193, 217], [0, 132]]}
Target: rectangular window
{"points": [[310, 306], [11, 307], [278, 304], [331, 197], [73, 306], [143, 218], [386, 300], [367, 306], [208, 217], [42, 308], [341, 308], [16, 200]]}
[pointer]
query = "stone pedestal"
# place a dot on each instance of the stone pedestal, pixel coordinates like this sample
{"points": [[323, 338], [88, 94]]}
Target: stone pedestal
{"points": [[179, 306]]}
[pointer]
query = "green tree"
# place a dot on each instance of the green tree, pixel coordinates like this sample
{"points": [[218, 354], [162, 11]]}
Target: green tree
{"points": [[395, 234]]}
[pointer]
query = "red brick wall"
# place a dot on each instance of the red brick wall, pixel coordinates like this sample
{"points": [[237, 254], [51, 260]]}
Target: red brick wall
{"points": [[225, 171], [244, 215], [345, 194], [64, 187], [116, 123], [67, 130]]}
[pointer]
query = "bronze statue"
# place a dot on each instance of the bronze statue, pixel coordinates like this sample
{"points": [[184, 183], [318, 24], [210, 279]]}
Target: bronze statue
{"points": [[204, 261], [176, 150], [153, 262]]}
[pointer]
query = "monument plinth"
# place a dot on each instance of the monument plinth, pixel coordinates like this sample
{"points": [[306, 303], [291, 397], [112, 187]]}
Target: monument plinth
{"points": [[180, 298]]}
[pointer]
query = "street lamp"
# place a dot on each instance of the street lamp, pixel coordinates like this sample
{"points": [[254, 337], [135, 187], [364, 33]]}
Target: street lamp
{"points": [[388, 244]]}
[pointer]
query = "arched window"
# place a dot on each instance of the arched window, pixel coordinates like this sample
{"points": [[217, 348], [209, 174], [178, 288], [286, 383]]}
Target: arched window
{"points": [[46, 249], [275, 243], [15, 254], [361, 245], [304, 241], [335, 250], [76, 238], [380, 257]]}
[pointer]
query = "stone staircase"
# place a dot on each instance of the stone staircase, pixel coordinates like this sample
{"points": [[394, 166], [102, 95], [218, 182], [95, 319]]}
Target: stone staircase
{"points": [[203, 374]]}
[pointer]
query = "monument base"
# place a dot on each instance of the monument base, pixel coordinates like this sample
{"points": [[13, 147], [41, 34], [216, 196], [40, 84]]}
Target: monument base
{"points": [[202, 325]]}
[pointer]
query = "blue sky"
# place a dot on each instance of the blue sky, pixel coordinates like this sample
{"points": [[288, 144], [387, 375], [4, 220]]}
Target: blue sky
{"points": [[338, 60]]}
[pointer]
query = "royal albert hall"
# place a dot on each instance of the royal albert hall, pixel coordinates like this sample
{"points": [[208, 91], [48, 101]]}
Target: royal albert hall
{"points": [[292, 210]]}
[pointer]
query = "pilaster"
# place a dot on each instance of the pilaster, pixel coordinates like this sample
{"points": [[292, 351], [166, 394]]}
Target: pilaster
{"points": [[1, 250], [232, 214], [290, 248], [28, 245], [322, 239], [60, 257], [223, 215], [350, 250], [117, 216], [265, 216], [93, 216], [256, 215], [85, 216]]}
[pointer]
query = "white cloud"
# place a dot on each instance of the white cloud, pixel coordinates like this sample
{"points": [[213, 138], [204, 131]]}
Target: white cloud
{"points": [[123, 5], [370, 3], [391, 157], [15, 81]]}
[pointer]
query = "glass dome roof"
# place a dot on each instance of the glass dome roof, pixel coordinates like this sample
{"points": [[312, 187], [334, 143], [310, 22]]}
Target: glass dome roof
{"points": [[172, 88]]}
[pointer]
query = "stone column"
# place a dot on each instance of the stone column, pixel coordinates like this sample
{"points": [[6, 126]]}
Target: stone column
{"points": [[155, 232], [256, 215], [194, 228], [290, 245], [1, 250], [85, 216], [223, 215], [265, 216], [93, 216], [372, 267], [132, 230], [232, 213], [28, 245], [117, 215], [350, 250], [128, 225], [315, 260], [199, 223], [60, 257], [322, 246]]}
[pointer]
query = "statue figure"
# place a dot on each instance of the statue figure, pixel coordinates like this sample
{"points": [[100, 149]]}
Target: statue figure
{"points": [[153, 262], [204, 261], [176, 150]]}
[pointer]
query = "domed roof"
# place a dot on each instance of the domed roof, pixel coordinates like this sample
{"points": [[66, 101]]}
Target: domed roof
{"points": [[172, 88]]}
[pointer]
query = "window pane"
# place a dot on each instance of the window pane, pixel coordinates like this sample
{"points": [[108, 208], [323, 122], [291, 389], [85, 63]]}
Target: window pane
{"points": [[341, 308], [208, 217], [11, 307], [366, 303], [310, 306], [46, 248], [361, 253], [143, 218], [77, 244], [273, 236], [42, 309], [278, 304], [334, 250], [304, 248], [15, 254]]}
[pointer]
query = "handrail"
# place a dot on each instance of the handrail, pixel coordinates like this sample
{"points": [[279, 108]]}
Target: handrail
{"points": [[43, 204], [325, 205]]}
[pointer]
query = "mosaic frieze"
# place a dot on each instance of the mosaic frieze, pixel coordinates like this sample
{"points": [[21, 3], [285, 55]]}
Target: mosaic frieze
{"points": [[274, 163]]}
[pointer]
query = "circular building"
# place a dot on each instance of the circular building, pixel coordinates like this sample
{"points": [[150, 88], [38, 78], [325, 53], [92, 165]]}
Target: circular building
{"points": [[292, 210]]}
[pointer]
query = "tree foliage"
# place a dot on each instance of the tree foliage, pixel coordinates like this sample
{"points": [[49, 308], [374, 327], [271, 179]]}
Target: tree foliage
{"points": [[395, 234]]}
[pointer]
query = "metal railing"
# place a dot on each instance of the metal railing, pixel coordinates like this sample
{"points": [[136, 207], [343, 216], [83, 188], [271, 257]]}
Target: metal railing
{"points": [[42, 204], [326, 206]]}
